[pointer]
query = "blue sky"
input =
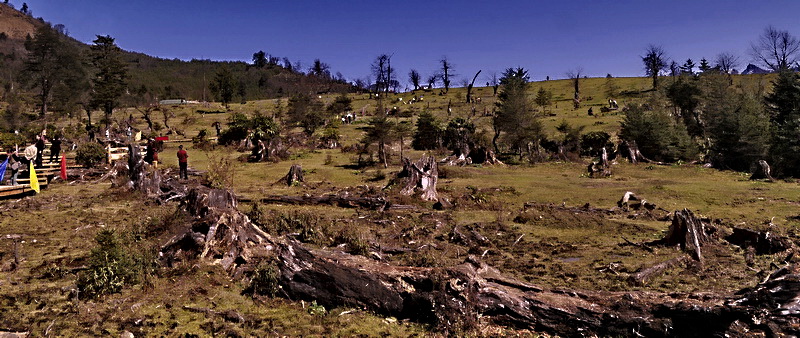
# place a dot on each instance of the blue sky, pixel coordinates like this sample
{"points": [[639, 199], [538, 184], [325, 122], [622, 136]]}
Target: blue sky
{"points": [[547, 37]]}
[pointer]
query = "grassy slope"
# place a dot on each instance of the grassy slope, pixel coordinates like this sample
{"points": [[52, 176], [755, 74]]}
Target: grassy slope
{"points": [[555, 248]]}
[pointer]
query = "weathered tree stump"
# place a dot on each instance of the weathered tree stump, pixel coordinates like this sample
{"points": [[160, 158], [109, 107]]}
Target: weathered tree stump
{"points": [[762, 172], [421, 177], [688, 232], [294, 176]]}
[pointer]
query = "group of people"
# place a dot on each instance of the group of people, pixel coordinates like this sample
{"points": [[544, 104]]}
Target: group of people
{"points": [[32, 153], [35, 151]]}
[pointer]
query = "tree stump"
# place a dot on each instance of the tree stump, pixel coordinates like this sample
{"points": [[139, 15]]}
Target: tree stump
{"points": [[762, 172], [421, 176], [688, 232], [294, 176]]}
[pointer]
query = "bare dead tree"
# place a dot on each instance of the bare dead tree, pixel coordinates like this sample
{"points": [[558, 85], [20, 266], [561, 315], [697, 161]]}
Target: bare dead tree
{"points": [[447, 73], [776, 49], [575, 76], [655, 60], [726, 62], [415, 78], [146, 114], [469, 87]]}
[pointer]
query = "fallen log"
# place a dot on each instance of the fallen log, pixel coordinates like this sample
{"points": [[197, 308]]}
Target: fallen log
{"points": [[764, 242], [343, 201], [644, 276]]}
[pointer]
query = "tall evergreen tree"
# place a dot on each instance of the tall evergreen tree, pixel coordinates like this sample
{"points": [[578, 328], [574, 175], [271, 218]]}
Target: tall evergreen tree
{"points": [[736, 124], [783, 105], [223, 85], [688, 67], [704, 66], [52, 64], [260, 59], [428, 135], [515, 119], [380, 132], [657, 134], [110, 80]]}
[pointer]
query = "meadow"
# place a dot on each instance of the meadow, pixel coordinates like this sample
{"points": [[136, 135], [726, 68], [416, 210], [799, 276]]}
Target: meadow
{"points": [[539, 223]]}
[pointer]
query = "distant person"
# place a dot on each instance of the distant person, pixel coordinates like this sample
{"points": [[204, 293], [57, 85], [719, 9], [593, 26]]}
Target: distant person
{"points": [[90, 131], [150, 152], [183, 162], [14, 163], [39, 150], [55, 148]]}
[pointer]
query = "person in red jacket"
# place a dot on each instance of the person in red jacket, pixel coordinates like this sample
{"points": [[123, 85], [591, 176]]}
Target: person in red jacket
{"points": [[183, 158]]}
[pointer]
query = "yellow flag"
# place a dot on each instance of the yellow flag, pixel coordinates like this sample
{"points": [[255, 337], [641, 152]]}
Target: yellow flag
{"points": [[34, 179]]}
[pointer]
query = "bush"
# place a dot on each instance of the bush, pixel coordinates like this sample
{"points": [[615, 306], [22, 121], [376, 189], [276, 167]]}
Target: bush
{"points": [[309, 227], [220, 173], [110, 268], [593, 142], [658, 136], [90, 154], [264, 280]]}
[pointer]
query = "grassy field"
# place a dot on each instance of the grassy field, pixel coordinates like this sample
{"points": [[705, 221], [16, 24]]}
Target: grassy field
{"points": [[548, 242]]}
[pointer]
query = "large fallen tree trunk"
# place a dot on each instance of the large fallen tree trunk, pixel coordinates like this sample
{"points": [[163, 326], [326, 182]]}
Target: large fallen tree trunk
{"points": [[455, 298], [344, 201]]}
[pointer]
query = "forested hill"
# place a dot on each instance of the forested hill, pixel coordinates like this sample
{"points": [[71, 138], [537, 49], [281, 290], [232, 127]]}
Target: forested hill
{"points": [[152, 78]]}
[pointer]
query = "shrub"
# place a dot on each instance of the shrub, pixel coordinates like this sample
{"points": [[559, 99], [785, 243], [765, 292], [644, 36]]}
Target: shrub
{"points": [[357, 242], [264, 280], [220, 173], [110, 268], [592, 143], [658, 136], [90, 154], [310, 227]]}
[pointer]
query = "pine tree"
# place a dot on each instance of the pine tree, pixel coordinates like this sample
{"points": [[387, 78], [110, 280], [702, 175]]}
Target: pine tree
{"points": [[783, 105], [704, 66], [428, 135], [543, 98], [223, 85], [53, 67], [110, 80], [688, 67], [515, 119]]}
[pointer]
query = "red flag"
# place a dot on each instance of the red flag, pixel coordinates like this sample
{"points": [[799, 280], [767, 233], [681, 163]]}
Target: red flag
{"points": [[64, 167]]}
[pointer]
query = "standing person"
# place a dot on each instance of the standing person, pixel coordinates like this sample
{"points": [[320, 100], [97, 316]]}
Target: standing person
{"points": [[39, 150], [150, 152], [183, 158], [55, 148], [14, 162]]}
